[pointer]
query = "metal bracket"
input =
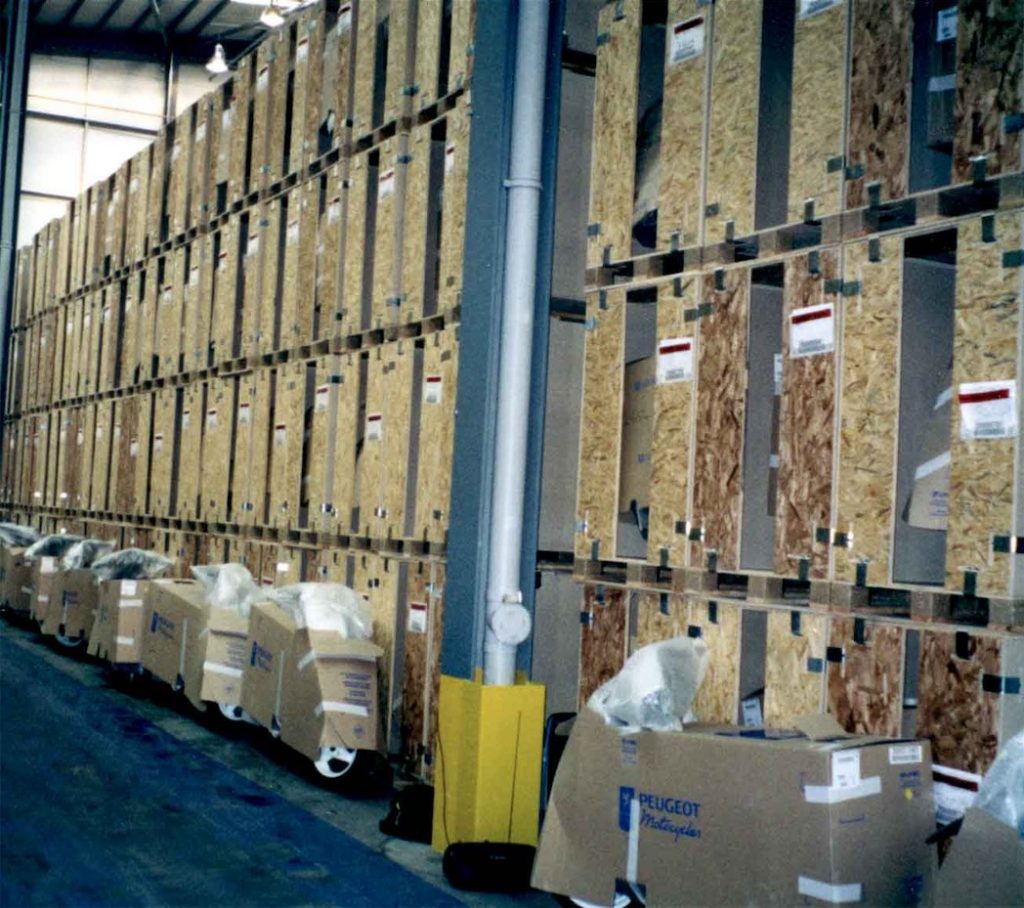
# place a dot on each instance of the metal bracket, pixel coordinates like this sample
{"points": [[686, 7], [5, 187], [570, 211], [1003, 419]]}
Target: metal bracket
{"points": [[835, 163], [712, 210], [854, 171], [1000, 684], [1008, 545], [874, 250], [988, 228], [593, 229], [1013, 258]]}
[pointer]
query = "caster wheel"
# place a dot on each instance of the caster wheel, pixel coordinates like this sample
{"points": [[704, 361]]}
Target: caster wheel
{"points": [[335, 762], [70, 643], [355, 773], [234, 713]]}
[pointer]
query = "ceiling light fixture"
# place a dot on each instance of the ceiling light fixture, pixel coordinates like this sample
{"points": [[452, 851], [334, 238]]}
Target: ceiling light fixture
{"points": [[271, 17], [218, 63]]}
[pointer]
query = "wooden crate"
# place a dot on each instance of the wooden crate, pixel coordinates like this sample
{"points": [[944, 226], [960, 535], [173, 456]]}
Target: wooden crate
{"points": [[156, 198], [202, 185], [116, 219], [218, 450], [307, 83], [298, 288], [60, 288], [171, 302], [795, 677], [428, 84], [356, 284], [236, 129], [140, 449], [419, 236], [330, 252], [453, 205], [47, 490], [227, 292], [288, 429], [865, 675], [269, 112], [268, 317], [604, 637], [137, 201], [387, 239], [95, 233], [161, 456], [376, 103], [179, 172], [196, 310], [322, 438], [338, 73], [100, 497], [188, 467], [252, 447]]}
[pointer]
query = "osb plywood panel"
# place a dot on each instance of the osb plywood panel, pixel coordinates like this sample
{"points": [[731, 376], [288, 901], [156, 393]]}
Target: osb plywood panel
{"points": [[180, 173], [612, 161], [114, 463], [417, 266], [953, 711], [401, 50], [347, 433], [140, 449], [126, 428], [806, 426], [320, 444], [794, 675], [659, 618], [203, 143], [219, 134], [270, 120], [395, 450], [261, 114], [368, 14], [435, 616], [162, 453], [286, 448], [453, 204], [156, 189], [437, 432], [673, 423], [250, 266], [369, 455], [115, 223], [271, 262], [719, 626], [989, 85], [869, 409], [225, 292], [182, 548], [600, 427], [460, 67], [865, 690], [602, 637], [817, 113], [198, 304], [88, 350], [64, 249], [308, 75], [682, 131], [732, 122], [252, 439], [984, 349], [111, 336], [330, 257], [721, 403], [429, 18], [355, 249], [80, 224], [879, 130], [135, 216], [391, 179], [236, 134], [376, 579], [101, 434], [147, 320], [94, 237], [338, 74], [71, 432], [190, 452], [415, 667], [130, 329], [299, 284], [217, 450], [168, 313]]}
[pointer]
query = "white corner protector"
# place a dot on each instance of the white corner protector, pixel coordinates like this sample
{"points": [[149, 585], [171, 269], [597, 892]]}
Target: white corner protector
{"points": [[124, 641], [835, 794], [338, 706], [633, 847], [219, 668], [836, 893], [131, 603], [305, 660]]}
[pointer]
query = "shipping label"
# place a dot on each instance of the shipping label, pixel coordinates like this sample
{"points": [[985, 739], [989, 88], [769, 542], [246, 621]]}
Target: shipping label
{"points": [[687, 41], [988, 409], [675, 360], [812, 330]]}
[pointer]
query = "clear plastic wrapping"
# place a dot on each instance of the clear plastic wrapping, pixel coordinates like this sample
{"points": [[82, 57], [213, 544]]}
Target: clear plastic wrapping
{"points": [[17, 536], [51, 546], [1001, 792], [656, 687], [326, 607], [83, 554], [228, 586], [131, 564]]}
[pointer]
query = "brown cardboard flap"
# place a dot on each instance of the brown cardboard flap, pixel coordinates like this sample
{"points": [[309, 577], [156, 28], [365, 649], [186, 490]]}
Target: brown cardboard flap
{"points": [[985, 865], [329, 645], [818, 726]]}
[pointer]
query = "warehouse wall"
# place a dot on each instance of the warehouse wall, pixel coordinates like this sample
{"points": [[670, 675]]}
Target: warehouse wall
{"points": [[66, 148]]}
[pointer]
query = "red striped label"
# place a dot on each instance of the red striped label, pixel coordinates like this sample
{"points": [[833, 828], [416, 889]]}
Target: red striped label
{"points": [[979, 397], [674, 348], [433, 379], [686, 26], [811, 316], [375, 418]]}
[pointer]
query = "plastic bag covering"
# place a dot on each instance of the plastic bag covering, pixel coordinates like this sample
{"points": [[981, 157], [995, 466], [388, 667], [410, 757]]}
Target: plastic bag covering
{"points": [[326, 607], [51, 546], [228, 586], [1001, 792], [83, 554], [656, 686], [17, 536], [131, 564]]}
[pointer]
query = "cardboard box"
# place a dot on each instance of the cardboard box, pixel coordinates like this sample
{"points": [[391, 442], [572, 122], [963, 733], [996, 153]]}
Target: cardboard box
{"points": [[45, 585], [15, 579], [729, 816], [985, 864], [315, 687], [116, 633], [70, 610], [194, 647], [637, 433]]}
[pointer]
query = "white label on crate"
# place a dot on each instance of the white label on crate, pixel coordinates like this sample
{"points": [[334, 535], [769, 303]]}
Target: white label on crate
{"points": [[433, 389], [158, 443], [226, 117], [904, 754], [244, 414], [675, 360], [988, 409], [954, 791], [222, 260], [752, 717], [211, 418], [175, 151], [86, 322], [386, 184], [320, 399], [81, 436], [417, 617], [133, 186], [133, 448], [263, 78], [129, 588], [117, 433], [945, 26], [186, 418], [168, 291], [301, 50], [105, 316], [70, 327], [374, 426], [777, 374], [110, 213], [334, 210], [193, 276], [845, 768], [98, 434], [280, 435], [687, 40], [345, 19], [811, 330], [449, 158], [283, 567], [200, 132], [253, 246], [292, 236], [810, 8]]}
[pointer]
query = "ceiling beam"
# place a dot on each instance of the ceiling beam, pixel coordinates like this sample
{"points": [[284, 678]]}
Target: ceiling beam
{"points": [[208, 18], [172, 26], [142, 17], [108, 14], [71, 13], [120, 45]]}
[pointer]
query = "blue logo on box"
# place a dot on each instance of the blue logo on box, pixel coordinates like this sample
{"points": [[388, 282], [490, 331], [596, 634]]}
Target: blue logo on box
{"points": [[626, 796], [677, 817]]}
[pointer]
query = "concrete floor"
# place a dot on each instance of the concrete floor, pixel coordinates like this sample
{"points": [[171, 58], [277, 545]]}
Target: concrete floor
{"points": [[112, 797]]}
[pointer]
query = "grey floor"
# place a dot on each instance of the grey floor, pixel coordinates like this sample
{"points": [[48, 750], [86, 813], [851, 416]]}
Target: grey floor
{"points": [[113, 797]]}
